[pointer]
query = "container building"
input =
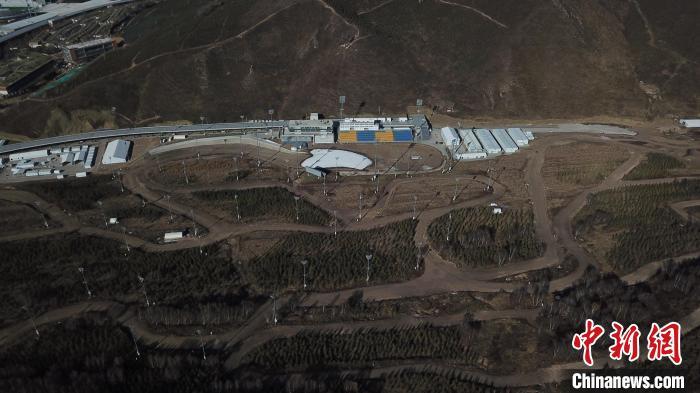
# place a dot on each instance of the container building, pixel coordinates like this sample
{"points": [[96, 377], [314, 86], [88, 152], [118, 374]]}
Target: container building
{"points": [[30, 155], [117, 152]]}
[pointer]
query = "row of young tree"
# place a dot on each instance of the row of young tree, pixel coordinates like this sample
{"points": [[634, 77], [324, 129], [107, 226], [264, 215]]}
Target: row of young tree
{"points": [[335, 262], [656, 165], [313, 348], [76, 194], [40, 274], [477, 237], [646, 229], [259, 203]]}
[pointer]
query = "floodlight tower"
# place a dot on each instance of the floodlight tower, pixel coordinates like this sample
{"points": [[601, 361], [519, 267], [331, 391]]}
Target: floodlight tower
{"points": [[184, 171], [136, 344], [235, 160], [324, 185], [257, 142], [369, 259], [99, 203], [85, 283], [303, 264], [296, 205], [119, 176], [31, 318], [143, 289], [160, 168], [201, 343], [238, 211]]}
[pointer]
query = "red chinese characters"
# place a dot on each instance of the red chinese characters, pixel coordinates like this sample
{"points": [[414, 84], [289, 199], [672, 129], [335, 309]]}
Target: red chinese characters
{"points": [[665, 342], [662, 342], [626, 342], [587, 339]]}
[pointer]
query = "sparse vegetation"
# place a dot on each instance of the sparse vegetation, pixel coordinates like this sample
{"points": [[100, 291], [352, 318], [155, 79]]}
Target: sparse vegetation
{"points": [[261, 203], [477, 237], [644, 228], [656, 165]]}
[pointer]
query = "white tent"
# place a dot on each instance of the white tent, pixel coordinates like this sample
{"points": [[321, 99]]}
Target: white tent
{"points": [[117, 152]]}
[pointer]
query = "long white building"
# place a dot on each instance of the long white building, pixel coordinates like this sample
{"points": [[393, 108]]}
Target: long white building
{"points": [[504, 140], [690, 123], [450, 137], [488, 141], [473, 149], [518, 136]]}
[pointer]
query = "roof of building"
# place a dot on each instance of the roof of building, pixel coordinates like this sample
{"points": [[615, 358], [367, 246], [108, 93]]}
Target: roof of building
{"points": [[471, 141], [504, 139], [117, 151], [87, 44], [487, 140]]}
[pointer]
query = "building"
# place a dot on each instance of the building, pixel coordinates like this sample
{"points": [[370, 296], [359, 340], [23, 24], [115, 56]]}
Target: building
{"points": [[18, 75], [472, 149], [690, 123], [518, 136], [173, 236], [29, 155], [90, 158], [117, 152], [450, 137], [503, 139], [487, 141], [88, 50]]}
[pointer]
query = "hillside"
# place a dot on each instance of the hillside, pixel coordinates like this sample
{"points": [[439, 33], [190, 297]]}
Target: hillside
{"points": [[511, 58]]}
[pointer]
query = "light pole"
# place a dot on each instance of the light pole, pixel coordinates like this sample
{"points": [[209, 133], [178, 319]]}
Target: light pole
{"points": [[359, 216], [274, 309], [369, 259], [235, 160], [143, 289], [238, 211], [184, 171], [335, 223], [87, 288], [194, 223], [303, 264], [420, 246], [296, 205], [31, 318], [170, 211], [126, 242], [99, 203], [449, 226], [415, 206], [454, 197], [201, 343], [133, 337]]}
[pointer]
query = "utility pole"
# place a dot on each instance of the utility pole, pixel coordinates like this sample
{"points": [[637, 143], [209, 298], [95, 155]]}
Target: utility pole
{"points": [[303, 264], [235, 160], [454, 197], [418, 254], [128, 249], [85, 283], [143, 289], [369, 259], [449, 226], [257, 141]]}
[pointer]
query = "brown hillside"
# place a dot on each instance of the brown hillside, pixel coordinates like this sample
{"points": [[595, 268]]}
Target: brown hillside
{"points": [[514, 58]]}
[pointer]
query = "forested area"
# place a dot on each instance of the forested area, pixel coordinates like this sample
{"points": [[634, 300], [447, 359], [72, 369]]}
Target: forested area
{"points": [[260, 203], [644, 227], [43, 273], [656, 165], [668, 296], [77, 193], [427, 382], [477, 237], [337, 261]]}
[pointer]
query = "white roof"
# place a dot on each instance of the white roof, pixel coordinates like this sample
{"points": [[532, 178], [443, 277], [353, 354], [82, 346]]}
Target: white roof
{"points": [[470, 140], [518, 136], [488, 141], [117, 152], [690, 123], [325, 158], [449, 136], [504, 140]]}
